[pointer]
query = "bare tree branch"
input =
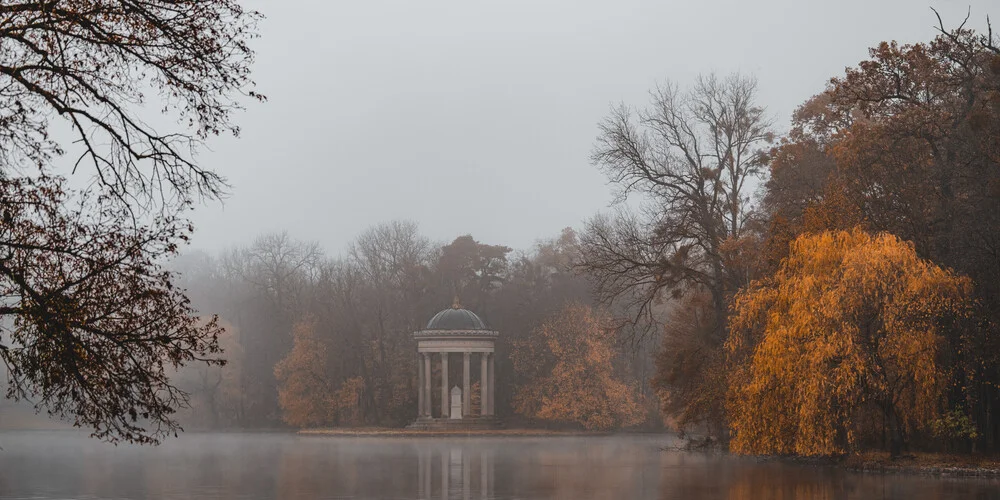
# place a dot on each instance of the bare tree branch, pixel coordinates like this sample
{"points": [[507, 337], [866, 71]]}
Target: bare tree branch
{"points": [[691, 154], [93, 64]]}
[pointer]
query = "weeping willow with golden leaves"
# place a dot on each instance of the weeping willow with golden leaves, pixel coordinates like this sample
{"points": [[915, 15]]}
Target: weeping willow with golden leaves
{"points": [[851, 330]]}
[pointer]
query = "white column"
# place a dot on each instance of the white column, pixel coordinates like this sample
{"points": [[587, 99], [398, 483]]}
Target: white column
{"points": [[427, 385], [493, 383], [420, 385], [466, 387], [484, 380], [445, 404]]}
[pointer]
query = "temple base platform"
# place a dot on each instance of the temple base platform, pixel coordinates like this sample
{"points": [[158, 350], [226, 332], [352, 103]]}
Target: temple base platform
{"points": [[456, 424]]}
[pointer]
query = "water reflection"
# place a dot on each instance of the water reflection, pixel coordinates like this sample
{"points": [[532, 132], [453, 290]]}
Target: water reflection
{"points": [[259, 466], [455, 472]]}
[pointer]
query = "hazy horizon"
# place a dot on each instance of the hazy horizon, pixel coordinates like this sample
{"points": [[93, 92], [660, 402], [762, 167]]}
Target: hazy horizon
{"points": [[478, 119]]}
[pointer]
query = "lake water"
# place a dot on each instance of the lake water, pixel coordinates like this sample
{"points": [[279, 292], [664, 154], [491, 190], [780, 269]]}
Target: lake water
{"points": [[61, 465]]}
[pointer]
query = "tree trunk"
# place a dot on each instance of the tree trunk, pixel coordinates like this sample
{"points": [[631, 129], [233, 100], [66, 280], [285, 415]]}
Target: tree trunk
{"points": [[895, 433]]}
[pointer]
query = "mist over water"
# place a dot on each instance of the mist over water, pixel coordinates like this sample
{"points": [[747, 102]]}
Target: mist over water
{"points": [[62, 465]]}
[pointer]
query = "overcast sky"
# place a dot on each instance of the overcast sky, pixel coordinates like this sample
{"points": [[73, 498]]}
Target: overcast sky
{"points": [[478, 116]]}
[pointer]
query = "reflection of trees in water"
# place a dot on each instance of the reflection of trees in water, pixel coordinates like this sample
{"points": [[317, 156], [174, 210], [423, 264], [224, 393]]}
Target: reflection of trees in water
{"points": [[782, 484], [429, 469], [560, 471], [705, 476]]}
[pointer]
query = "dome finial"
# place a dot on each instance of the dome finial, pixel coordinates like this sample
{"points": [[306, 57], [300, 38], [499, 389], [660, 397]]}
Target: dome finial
{"points": [[456, 304]]}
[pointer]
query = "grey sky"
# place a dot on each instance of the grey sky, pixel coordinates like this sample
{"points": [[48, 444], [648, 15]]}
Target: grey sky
{"points": [[477, 117]]}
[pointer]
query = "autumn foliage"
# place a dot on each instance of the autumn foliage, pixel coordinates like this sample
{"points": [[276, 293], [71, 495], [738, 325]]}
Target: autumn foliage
{"points": [[93, 323], [905, 143], [304, 392], [572, 354], [850, 330]]}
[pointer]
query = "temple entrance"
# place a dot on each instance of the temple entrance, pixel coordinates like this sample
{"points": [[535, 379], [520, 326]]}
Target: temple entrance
{"points": [[457, 405], [449, 334]]}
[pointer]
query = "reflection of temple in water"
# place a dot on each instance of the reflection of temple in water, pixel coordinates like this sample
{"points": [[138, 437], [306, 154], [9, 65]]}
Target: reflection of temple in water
{"points": [[452, 473]]}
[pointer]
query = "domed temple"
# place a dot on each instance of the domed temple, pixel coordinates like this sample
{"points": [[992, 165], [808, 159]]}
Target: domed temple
{"points": [[455, 331]]}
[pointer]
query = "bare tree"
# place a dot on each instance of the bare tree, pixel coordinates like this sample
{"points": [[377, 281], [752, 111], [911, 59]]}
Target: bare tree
{"points": [[387, 253], [91, 63], [94, 318], [388, 258], [691, 155], [270, 284], [281, 267]]}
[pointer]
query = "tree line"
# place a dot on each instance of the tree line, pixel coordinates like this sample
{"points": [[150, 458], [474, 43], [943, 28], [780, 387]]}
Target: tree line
{"points": [[851, 301], [314, 341]]}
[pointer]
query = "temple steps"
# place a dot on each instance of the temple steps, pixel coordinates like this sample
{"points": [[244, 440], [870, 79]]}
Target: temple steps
{"points": [[454, 424]]}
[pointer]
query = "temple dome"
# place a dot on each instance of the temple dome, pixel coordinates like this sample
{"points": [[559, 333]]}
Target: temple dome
{"points": [[456, 318]]}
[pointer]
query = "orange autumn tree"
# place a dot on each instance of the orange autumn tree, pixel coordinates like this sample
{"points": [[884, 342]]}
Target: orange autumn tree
{"points": [[307, 399], [348, 401], [569, 363], [844, 340]]}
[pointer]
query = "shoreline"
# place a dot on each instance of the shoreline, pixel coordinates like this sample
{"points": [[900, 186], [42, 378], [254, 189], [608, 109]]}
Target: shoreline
{"points": [[914, 464], [376, 432], [935, 464], [925, 464]]}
